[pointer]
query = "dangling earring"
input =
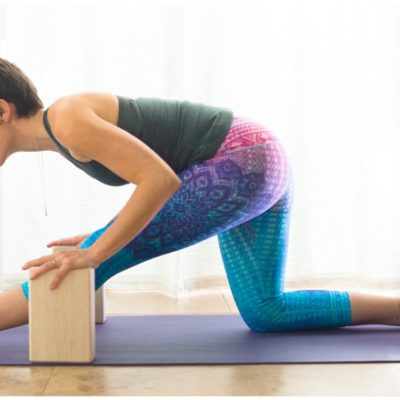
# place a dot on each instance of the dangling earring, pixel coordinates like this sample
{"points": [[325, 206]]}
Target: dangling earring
{"points": [[41, 172]]}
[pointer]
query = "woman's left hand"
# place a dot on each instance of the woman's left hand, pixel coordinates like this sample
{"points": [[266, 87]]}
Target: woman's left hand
{"points": [[65, 261]]}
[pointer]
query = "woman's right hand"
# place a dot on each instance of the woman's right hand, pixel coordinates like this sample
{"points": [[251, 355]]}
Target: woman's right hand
{"points": [[71, 241]]}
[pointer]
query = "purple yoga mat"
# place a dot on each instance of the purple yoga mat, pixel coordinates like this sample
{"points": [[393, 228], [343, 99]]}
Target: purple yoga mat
{"points": [[216, 339]]}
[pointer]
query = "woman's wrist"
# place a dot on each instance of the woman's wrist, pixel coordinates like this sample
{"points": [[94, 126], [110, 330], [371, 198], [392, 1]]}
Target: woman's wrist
{"points": [[97, 255], [93, 250]]}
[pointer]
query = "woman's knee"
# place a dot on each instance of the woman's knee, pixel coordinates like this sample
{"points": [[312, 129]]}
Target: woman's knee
{"points": [[268, 316]]}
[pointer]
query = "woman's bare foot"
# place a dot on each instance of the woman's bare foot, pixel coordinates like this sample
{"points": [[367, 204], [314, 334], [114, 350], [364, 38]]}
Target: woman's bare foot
{"points": [[14, 308]]}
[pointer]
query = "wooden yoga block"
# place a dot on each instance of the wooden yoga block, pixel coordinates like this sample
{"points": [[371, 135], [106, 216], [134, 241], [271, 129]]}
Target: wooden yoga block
{"points": [[100, 316], [62, 321]]}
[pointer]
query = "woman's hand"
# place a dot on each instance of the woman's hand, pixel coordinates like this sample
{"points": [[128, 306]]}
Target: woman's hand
{"points": [[71, 241], [65, 261]]}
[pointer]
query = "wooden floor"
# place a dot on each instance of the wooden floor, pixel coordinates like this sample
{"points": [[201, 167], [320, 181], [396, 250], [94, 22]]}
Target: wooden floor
{"points": [[276, 379]]}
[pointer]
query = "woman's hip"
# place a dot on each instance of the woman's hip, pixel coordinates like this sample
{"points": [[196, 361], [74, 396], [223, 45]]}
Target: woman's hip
{"points": [[253, 155], [245, 132]]}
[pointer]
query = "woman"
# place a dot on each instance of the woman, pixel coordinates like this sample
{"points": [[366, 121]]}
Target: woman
{"points": [[199, 171]]}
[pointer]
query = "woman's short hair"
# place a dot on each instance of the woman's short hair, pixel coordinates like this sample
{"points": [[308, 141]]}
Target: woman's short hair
{"points": [[17, 88]]}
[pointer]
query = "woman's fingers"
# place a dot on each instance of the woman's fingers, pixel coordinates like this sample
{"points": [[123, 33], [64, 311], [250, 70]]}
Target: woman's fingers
{"points": [[65, 242], [72, 241], [37, 262], [57, 243], [47, 266]]}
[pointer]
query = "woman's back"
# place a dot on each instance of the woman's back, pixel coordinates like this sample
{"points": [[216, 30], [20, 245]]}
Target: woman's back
{"points": [[180, 132]]}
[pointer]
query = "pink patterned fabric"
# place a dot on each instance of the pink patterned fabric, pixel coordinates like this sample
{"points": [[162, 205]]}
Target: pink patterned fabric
{"points": [[245, 132]]}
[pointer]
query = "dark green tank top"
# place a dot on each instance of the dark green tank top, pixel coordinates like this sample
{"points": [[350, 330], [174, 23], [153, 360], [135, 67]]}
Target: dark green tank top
{"points": [[180, 132]]}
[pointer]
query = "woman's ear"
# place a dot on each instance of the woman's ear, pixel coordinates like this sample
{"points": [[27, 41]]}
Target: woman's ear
{"points": [[3, 108]]}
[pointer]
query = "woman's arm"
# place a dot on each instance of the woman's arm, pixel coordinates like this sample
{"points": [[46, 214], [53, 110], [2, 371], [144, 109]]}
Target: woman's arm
{"points": [[145, 202], [82, 131]]}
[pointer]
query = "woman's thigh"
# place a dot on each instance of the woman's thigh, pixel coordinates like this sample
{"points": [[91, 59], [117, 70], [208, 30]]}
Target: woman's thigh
{"points": [[254, 257]]}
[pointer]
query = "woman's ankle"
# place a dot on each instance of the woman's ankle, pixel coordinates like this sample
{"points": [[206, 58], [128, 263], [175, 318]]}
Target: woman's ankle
{"points": [[371, 308]]}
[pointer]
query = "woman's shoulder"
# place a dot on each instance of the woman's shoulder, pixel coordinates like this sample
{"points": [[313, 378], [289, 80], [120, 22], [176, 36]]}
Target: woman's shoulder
{"points": [[105, 105], [63, 113]]}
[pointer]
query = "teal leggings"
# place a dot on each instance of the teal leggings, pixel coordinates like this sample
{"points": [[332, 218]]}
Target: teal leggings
{"points": [[244, 196]]}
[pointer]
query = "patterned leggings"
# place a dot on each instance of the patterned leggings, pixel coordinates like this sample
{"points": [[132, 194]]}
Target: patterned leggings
{"points": [[243, 195]]}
